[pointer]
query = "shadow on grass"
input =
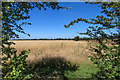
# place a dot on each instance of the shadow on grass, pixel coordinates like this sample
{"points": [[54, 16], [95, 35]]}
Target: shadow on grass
{"points": [[51, 68]]}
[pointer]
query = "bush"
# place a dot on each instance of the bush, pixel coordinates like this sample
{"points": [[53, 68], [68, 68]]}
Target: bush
{"points": [[16, 68], [76, 38]]}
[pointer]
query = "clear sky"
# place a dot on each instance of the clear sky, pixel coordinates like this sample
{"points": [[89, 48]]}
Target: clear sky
{"points": [[50, 23]]}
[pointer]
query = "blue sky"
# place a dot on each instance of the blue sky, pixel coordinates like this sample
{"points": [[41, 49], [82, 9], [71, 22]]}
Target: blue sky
{"points": [[50, 23]]}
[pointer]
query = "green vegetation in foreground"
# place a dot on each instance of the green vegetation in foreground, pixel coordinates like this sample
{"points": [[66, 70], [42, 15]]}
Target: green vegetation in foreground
{"points": [[58, 67], [84, 71]]}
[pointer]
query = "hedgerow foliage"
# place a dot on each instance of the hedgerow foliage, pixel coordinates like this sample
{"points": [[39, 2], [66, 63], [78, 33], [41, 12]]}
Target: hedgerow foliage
{"points": [[14, 65], [106, 56]]}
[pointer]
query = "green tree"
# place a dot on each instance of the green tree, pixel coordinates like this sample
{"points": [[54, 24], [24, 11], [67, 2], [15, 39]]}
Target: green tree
{"points": [[76, 38], [106, 57], [12, 12]]}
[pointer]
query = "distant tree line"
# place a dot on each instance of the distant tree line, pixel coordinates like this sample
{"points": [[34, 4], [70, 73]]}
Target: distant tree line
{"points": [[47, 39], [75, 38]]}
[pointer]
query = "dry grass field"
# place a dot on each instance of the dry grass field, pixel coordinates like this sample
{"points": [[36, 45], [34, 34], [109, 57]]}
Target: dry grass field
{"points": [[53, 52], [74, 51]]}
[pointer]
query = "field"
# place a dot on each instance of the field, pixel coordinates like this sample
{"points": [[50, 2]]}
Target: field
{"points": [[74, 51]]}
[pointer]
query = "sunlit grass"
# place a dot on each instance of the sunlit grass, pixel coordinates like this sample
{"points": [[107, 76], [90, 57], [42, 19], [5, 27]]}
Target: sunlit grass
{"points": [[84, 71]]}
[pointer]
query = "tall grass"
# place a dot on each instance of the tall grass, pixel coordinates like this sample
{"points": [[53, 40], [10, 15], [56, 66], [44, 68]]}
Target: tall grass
{"points": [[72, 51]]}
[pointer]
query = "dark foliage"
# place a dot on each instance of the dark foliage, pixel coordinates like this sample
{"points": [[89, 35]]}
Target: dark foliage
{"points": [[76, 38]]}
